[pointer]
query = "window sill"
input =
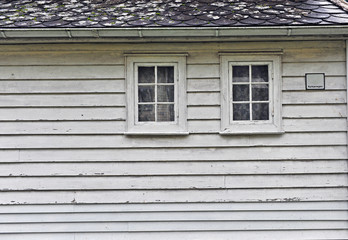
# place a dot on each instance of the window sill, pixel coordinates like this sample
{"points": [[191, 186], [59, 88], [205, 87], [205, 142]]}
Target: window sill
{"points": [[252, 129], [156, 133]]}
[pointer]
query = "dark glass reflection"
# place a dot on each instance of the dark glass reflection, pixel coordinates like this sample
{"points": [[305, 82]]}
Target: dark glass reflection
{"points": [[146, 113], [260, 92], [259, 73], [240, 73], [165, 112], [165, 74], [146, 74], [165, 93], [241, 111], [241, 92], [260, 111], [146, 93]]}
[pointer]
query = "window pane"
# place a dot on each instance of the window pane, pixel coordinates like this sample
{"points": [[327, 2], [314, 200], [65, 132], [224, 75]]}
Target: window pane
{"points": [[165, 74], [241, 92], [260, 111], [240, 73], [241, 111], [146, 93], [260, 92], [165, 112], [165, 93], [259, 73], [146, 113], [146, 74]]}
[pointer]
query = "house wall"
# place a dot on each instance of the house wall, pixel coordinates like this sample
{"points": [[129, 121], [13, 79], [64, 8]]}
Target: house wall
{"points": [[68, 172]]}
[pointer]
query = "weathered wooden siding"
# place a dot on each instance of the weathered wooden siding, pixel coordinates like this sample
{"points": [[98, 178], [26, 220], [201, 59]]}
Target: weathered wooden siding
{"points": [[68, 172]]}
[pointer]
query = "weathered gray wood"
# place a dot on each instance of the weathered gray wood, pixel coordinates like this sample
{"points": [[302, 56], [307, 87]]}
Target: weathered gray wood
{"points": [[315, 125], [202, 99], [203, 85], [203, 112], [203, 71]]}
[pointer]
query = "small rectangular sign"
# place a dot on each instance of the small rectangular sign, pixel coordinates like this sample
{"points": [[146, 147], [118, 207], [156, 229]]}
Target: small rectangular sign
{"points": [[315, 81]]}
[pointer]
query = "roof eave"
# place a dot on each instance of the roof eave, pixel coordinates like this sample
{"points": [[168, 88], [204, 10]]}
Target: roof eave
{"points": [[166, 32]]}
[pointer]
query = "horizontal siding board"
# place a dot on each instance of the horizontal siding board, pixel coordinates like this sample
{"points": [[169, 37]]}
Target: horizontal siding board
{"points": [[300, 69], [315, 125], [299, 83], [203, 71], [61, 72], [171, 182], [325, 234], [203, 85], [174, 168], [325, 206], [315, 111], [199, 126], [314, 55], [174, 196], [62, 86], [66, 113], [314, 97], [175, 216], [210, 140], [203, 112], [191, 154], [63, 57], [201, 99], [62, 100]]}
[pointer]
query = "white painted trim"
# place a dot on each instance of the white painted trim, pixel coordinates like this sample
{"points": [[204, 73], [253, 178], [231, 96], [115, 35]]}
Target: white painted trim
{"points": [[274, 126], [103, 33], [157, 128]]}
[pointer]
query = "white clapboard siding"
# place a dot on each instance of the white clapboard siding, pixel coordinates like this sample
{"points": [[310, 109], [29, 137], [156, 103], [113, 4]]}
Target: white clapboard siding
{"points": [[62, 86], [173, 196], [173, 182], [209, 140], [201, 168], [327, 234], [176, 154], [61, 72], [69, 172]]}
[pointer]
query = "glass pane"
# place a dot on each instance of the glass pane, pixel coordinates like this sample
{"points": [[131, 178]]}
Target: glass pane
{"points": [[241, 111], [259, 73], [260, 111], [240, 73], [146, 113], [260, 92], [146, 74], [241, 92], [146, 93], [165, 93], [165, 74], [165, 112]]}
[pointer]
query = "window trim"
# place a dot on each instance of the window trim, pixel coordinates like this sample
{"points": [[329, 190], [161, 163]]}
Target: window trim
{"points": [[271, 126], [179, 126]]}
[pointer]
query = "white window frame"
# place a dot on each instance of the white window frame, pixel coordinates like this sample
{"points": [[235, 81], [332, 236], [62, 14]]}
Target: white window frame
{"points": [[176, 127], [274, 124]]}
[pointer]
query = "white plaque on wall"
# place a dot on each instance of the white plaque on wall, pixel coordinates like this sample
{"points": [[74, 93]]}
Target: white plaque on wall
{"points": [[315, 81]]}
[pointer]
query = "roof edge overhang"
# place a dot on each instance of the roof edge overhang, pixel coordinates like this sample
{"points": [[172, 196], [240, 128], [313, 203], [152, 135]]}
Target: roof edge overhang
{"points": [[54, 34]]}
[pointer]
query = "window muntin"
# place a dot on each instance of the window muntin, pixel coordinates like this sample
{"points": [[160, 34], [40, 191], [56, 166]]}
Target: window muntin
{"points": [[156, 93], [250, 92]]}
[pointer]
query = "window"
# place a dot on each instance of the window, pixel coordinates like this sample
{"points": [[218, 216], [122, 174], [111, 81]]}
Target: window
{"points": [[156, 94], [250, 89]]}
